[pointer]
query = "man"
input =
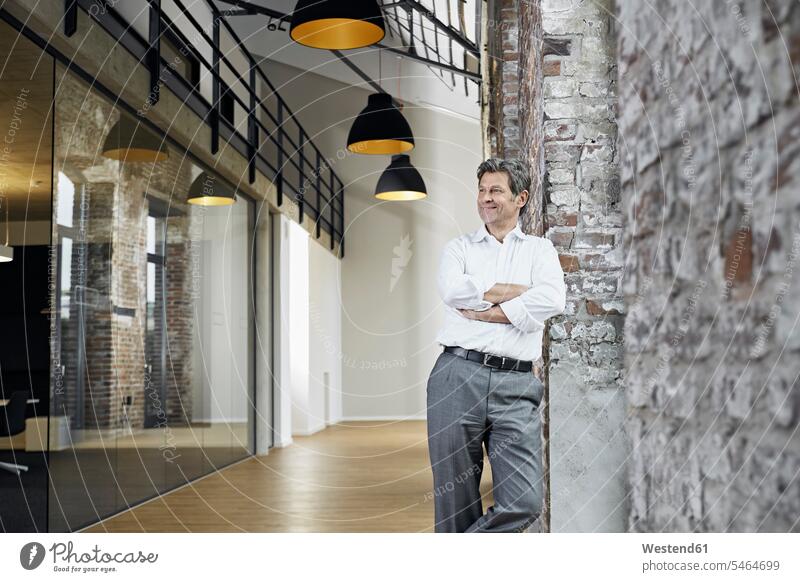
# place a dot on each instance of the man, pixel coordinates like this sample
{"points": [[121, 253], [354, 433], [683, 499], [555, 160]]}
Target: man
{"points": [[499, 286]]}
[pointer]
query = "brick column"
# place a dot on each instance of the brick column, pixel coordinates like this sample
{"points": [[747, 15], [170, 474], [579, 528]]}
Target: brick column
{"points": [[555, 106], [129, 276], [101, 400], [181, 258]]}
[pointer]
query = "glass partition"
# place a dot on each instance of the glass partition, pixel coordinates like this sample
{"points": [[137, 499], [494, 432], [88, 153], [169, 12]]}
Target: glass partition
{"points": [[155, 342]]}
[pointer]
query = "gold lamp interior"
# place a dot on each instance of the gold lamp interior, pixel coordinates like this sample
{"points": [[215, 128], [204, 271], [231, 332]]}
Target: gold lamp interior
{"points": [[337, 33], [386, 147], [211, 201], [136, 155], [401, 195]]}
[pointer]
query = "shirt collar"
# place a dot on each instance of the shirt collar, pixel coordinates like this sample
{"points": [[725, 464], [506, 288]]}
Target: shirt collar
{"points": [[481, 233]]}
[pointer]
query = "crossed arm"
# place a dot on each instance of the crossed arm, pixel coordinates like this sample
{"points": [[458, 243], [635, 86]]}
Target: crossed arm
{"points": [[499, 293], [525, 307]]}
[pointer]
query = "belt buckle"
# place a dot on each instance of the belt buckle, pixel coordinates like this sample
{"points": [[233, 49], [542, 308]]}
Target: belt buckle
{"points": [[487, 356]]}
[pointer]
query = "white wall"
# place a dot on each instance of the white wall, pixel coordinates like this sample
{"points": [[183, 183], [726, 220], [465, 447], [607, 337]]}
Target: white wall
{"points": [[387, 326], [291, 329], [295, 318], [325, 338], [308, 375]]}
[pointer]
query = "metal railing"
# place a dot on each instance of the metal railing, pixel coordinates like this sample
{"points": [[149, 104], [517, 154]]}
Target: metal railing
{"points": [[271, 139]]}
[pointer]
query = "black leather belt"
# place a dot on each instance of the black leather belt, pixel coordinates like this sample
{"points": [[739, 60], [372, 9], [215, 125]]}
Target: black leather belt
{"points": [[491, 360]]}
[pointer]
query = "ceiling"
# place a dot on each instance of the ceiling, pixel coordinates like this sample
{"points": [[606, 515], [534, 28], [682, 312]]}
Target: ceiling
{"points": [[433, 31]]}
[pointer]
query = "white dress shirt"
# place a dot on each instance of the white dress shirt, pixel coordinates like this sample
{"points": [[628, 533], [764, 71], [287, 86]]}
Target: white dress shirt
{"points": [[472, 263]]}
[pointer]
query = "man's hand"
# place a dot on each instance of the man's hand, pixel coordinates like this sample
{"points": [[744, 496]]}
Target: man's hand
{"points": [[493, 315], [501, 292]]}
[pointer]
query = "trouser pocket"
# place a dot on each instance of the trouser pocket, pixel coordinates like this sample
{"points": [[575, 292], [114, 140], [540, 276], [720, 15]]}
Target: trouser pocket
{"points": [[538, 390]]}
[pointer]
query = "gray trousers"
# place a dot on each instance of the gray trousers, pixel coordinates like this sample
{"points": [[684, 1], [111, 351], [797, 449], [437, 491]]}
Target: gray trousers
{"points": [[471, 406]]}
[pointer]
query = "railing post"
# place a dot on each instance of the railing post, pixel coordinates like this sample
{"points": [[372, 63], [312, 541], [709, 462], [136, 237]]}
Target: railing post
{"points": [[333, 216], [318, 172], [252, 133], [340, 193], [302, 194], [215, 94], [279, 176], [70, 17], [154, 51]]}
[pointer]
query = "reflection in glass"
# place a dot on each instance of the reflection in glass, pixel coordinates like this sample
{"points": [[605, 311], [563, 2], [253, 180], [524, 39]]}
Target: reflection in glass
{"points": [[154, 321]]}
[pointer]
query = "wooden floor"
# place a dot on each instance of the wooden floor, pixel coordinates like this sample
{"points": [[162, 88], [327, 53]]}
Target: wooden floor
{"points": [[351, 477]]}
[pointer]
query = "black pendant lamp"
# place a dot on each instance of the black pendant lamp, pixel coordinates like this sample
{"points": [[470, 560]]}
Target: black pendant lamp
{"points": [[380, 129], [400, 181], [208, 190], [130, 141], [334, 24]]}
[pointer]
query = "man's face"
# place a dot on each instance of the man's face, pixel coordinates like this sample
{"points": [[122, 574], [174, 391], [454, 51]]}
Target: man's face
{"points": [[495, 202]]}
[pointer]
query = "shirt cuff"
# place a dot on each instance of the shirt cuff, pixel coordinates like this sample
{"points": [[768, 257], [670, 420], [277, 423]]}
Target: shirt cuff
{"points": [[484, 305], [518, 316]]}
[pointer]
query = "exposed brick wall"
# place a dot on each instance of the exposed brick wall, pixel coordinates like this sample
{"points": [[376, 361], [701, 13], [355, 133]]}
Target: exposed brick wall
{"points": [[558, 96], [530, 110], [508, 122], [503, 128], [709, 130], [584, 223]]}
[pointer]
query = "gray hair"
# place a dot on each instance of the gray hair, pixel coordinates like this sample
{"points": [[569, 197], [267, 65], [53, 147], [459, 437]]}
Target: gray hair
{"points": [[519, 178]]}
